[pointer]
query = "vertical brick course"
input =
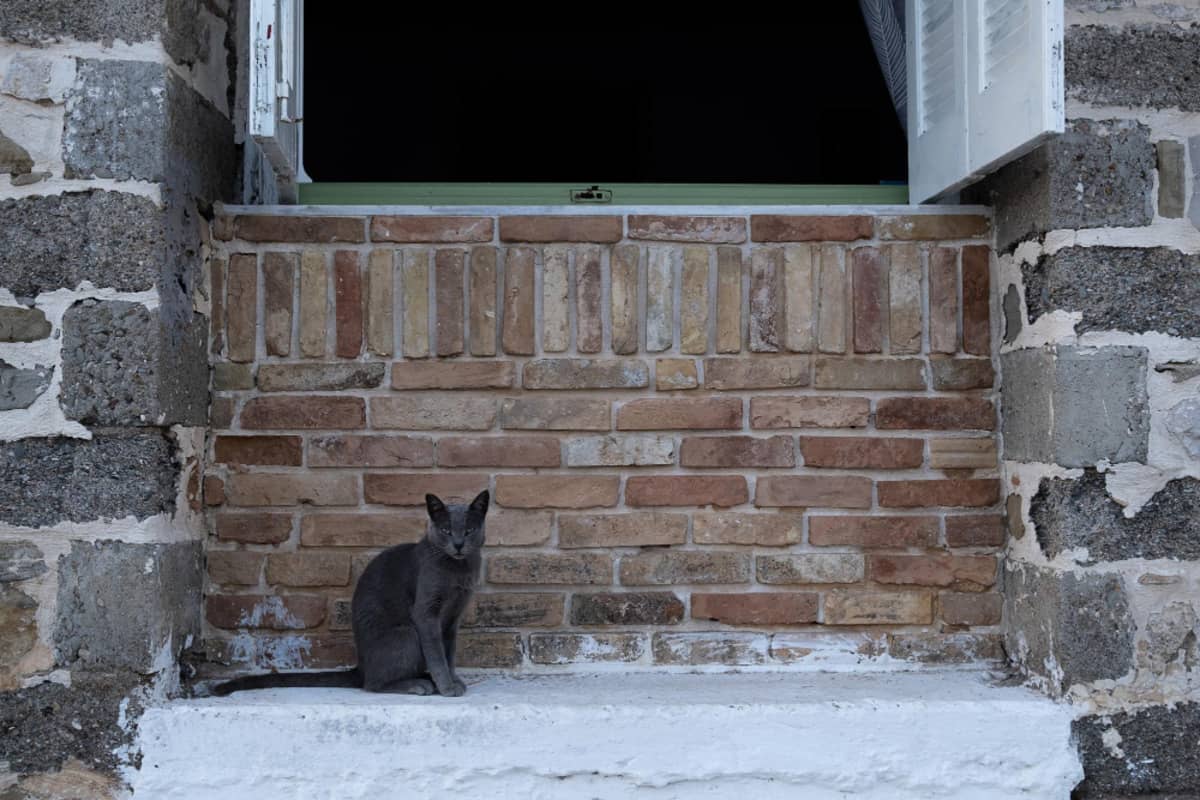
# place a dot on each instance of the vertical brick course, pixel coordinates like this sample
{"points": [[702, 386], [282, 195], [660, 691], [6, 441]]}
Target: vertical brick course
{"points": [[448, 287], [348, 300]]}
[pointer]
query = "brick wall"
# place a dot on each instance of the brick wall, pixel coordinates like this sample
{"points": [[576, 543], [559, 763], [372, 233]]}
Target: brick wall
{"points": [[708, 439]]}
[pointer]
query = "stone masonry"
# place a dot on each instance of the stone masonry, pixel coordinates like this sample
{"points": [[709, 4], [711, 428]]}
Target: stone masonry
{"points": [[708, 439]]}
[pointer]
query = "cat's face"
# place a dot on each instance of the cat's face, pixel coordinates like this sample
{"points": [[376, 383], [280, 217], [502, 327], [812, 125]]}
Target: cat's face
{"points": [[457, 529]]}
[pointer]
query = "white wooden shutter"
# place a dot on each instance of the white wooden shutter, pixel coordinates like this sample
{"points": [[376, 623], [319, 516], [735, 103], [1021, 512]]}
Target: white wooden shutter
{"points": [[984, 86], [276, 56]]}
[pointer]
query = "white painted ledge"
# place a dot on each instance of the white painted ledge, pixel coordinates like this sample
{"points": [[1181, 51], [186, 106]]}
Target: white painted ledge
{"points": [[600, 210], [748, 736]]}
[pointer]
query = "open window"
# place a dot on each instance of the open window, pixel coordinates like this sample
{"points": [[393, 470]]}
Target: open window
{"points": [[383, 110]]}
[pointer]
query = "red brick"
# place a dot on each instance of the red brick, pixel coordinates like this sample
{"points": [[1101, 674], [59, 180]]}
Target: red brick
{"points": [[621, 530], [413, 229], [589, 324], [308, 569], [550, 568], [969, 573], [221, 227], [783, 372], [867, 266], [279, 276], [975, 530], [449, 268], [759, 608], [935, 413], [659, 567], [348, 308], [288, 412], [555, 414], [878, 608], [280, 228], [276, 451], [662, 413], [977, 334], [769, 530], [934, 226], [943, 300], [410, 489], [737, 451], [499, 451], [216, 319], [729, 300], [242, 307], [779, 228], [515, 610], [254, 528], [370, 451], [801, 491], [861, 452], [408, 375], [214, 490], [361, 529], [221, 415], [809, 412], [870, 373], [605, 229], [722, 491], [927, 494], [766, 300], [556, 491], [289, 612], [626, 608], [234, 567], [709, 230], [873, 532], [517, 325], [268, 489], [970, 608]]}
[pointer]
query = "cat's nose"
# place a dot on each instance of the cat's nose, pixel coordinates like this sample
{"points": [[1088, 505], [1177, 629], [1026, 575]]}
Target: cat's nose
{"points": [[458, 547]]}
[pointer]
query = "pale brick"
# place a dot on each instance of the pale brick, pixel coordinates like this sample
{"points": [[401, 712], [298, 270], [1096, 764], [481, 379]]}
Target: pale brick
{"points": [[626, 608], [729, 299], [556, 323], [308, 569], [586, 648], [415, 279], [288, 412], [963, 573], [657, 568], [810, 568], [943, 300], [809, 412], [507, 528], [698, 649], [334, 376], [515, 610], [267, 489], [557, 491], [252, 528], [766, 300], [759, 608], [409, 375], [555, 414], [234, 567], [483, 301], [768, 530], [370, 451], [498, 451], [578, 569], [962, 453], [863, 373], [517, 327], [232, 377], [564, 228], [922, 227], [675, 374], [620, 451], [802, 491], [798, 295], [722, 491], [411, 229], [873, 532], [970, 609], [589, 295], [904, 296], [586, 373], [660, 299], [381, 327], [731, 374], [621, 530], [693, 301], [410, 489], [314, 304], [831, 315], [928, 494], [868, 269], [362, 529], [348, 304], [976, 294], [624, 300], [433, 412], [737, 451], [878, 608], [489, 650], [449, 267], [662, 413], [242, 307], [279, 275], [711, 230], [862, 452]]}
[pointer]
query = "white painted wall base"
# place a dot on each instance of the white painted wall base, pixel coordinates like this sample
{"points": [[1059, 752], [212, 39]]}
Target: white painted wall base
{"points": [[763, 736]]}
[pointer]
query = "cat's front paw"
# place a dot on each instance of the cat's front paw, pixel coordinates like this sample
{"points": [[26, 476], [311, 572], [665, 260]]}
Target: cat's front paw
{"points": [[456, 689]]}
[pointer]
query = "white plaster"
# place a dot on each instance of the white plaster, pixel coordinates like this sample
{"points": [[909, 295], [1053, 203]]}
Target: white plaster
{"points": [[931, 734], [1179, 12], [37, 128], [58, 185]]}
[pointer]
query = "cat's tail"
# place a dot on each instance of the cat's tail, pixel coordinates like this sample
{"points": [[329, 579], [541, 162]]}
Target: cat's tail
{"points": [[277, 680]]}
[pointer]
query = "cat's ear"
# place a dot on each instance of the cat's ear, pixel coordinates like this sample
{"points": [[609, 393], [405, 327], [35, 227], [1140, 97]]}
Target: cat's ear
{"points": [[479, 506], [437, 509]]}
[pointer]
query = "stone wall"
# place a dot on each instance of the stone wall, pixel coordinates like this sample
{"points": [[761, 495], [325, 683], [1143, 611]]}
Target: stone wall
{"points": [[115, 140], [736, 440], [1099, 265]]}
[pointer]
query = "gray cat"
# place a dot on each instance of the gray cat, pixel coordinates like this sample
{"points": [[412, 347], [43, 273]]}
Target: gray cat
{"points": [[406, 611]]}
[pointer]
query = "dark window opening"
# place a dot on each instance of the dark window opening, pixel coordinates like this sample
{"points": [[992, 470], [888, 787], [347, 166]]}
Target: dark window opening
{"points": [[795, 102]]}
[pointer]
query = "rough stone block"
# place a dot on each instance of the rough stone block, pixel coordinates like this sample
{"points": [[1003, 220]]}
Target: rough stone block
{"points": [[1075, 406], [23, 324], [121, 604], [1172, 178], [1131, 66], [1155, 754], [20, 387]]}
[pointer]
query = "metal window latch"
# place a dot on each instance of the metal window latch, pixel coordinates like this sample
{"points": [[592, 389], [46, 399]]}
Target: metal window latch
{"points": [[592, 194]]}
